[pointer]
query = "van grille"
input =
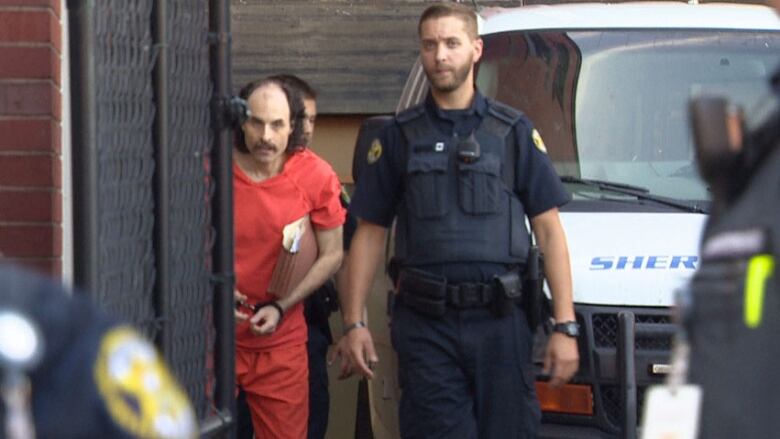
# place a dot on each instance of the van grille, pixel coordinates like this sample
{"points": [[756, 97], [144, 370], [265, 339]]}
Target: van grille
{"points": [[605, 332], [610, 398]]}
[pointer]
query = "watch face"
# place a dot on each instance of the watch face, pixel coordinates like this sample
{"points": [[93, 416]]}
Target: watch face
{"points": [[572, 329]]}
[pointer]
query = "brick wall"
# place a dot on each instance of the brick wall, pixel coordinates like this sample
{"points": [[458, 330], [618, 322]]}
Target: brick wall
{"points": [[30, 134]]}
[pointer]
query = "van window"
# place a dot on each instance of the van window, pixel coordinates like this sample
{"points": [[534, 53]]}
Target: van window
{"points": [[613, 104]]}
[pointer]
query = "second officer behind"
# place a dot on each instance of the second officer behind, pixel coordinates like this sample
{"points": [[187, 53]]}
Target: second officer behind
{"points": [[460, 172]]}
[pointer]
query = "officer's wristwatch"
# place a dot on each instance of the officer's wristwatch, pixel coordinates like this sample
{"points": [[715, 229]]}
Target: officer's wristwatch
{"points": [[570, 328]]}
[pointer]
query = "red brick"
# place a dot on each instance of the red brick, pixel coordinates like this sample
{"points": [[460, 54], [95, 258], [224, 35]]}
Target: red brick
{"points": [[30, 241], [56, 67], [30, 26], [56, 136], [56, 103], [42, 170], [54, 5], [55, 32], [56, 208], [57, 171], [30, 135], [30, 63], [30, 99], [43, 206], [47, 266]]}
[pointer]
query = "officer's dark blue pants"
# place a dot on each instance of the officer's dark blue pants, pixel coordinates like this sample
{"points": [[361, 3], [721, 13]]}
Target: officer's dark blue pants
{"points": [[244, 429], [465, 375], [319, 398]]}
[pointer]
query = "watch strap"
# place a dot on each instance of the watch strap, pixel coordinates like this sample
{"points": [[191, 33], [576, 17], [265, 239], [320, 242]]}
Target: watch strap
{"points": [[564, 328], [358, 324]]}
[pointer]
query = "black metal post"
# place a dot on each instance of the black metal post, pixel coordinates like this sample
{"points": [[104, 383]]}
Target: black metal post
{"points": [[162, 179], [86, 231], [222, 209], [627, 373]]}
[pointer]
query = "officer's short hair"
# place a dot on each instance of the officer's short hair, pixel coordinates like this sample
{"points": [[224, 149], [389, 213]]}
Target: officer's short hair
{"points": [[297, 113], [441, 10], [297, 83]]}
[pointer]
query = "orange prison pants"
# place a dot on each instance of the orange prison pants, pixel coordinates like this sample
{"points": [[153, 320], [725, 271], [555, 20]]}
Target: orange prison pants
{"points": [[276, 383]]}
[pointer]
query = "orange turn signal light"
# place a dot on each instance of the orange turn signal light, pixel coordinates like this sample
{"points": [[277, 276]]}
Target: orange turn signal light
{"points": [[576, 399]]}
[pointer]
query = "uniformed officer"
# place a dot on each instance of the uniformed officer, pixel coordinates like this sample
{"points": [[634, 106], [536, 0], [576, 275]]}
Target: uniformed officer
{"points": [[460, 172], [733, 317], [89, 376]]}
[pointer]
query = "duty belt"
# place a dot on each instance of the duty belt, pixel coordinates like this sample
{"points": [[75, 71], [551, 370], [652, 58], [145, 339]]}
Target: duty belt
{"points": [[422, 290], [471, 295]]}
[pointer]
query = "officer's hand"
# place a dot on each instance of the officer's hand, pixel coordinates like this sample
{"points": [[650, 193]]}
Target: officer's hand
{"points": [[561, 360], [264, 322], [240, 315], [356, 349]]}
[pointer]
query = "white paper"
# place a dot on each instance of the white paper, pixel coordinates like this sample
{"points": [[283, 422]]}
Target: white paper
{"points": [[671, 414], [292, 234]]}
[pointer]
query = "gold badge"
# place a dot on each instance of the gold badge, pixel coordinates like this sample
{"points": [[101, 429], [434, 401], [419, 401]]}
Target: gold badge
{"points": [[139, 392], [538, 141], [374, 152]]}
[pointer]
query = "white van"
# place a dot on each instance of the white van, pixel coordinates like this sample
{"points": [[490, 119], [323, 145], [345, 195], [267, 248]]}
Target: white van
{"points": [[608, 88]]}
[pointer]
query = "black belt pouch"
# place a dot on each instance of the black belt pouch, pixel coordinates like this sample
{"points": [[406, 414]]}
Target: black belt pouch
{"points": [[510, 291], [424, 292]]}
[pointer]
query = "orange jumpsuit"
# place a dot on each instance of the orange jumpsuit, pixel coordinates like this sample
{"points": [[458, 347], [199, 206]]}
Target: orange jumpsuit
{"points": [[273, 369]]}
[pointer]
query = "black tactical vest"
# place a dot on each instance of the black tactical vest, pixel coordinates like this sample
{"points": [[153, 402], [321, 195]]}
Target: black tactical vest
{"points": [[454, 211], [734, 321]]}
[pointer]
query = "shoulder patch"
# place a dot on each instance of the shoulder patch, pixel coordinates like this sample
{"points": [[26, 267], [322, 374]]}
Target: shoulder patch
{"points": [[538, 142], [140, 395], [374, 152]]}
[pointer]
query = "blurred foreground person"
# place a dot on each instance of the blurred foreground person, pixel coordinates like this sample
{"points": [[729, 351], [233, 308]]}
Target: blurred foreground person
{"points": [[732, 315], [69, 371]]}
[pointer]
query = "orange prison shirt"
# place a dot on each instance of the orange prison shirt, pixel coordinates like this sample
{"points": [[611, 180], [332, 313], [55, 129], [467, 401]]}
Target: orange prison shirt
{"points": [[307, 184]]}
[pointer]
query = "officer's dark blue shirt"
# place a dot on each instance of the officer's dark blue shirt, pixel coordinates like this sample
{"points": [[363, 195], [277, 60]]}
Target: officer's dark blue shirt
{"points": [[379, 192]]}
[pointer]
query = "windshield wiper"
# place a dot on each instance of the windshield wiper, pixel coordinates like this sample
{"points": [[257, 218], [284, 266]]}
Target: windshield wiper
{"points": [[604, 184], [639, 192]]}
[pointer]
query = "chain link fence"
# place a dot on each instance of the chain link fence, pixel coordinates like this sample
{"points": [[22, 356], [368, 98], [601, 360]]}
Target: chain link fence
{"points": [[125, 114], [144, 79], [190, 291]]}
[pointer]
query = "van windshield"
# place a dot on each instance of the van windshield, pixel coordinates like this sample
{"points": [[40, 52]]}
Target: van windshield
{"points": [[612, 105]]}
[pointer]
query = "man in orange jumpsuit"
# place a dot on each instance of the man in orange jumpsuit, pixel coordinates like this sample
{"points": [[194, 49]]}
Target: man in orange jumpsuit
{"points": [[276, 182]]}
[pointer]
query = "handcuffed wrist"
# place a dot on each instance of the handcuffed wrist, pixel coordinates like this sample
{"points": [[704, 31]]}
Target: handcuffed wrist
{"points": [[358, 324], [278, 308]]}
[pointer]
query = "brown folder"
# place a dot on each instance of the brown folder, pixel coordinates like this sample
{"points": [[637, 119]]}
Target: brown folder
{"points": [[299, 251]]}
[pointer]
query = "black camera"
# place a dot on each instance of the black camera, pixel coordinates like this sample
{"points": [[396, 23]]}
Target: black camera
{"points": [[237, 111], [468, 150], [718, 134], [729, 146]]}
